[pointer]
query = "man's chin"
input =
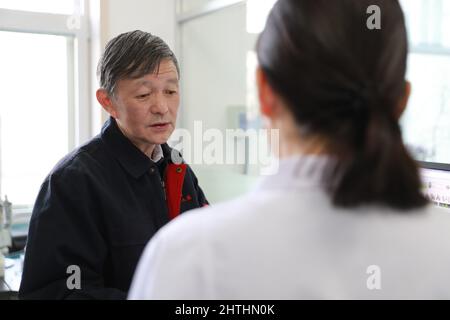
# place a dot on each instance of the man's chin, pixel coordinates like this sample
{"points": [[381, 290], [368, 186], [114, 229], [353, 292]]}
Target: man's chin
{"points": [[158, 137], [158, 140]]}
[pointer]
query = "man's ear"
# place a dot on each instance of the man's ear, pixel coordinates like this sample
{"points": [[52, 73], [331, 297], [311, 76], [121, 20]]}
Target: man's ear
{"points": [[265, 94], [403, 102], [105, 100]]}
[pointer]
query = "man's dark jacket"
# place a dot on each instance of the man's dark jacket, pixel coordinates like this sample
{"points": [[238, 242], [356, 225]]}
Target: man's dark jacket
{"points": [[96, 210]]}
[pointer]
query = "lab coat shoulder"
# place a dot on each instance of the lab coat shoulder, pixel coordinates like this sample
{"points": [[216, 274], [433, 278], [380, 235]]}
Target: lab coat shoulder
{"points": [[181, 252]]}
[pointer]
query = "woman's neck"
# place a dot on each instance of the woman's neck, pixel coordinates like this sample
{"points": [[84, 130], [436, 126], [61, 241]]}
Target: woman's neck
{"points": [[289, 147]]}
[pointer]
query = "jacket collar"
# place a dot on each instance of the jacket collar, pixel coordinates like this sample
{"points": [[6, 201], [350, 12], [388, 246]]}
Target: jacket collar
{"points": [[134, 161]]}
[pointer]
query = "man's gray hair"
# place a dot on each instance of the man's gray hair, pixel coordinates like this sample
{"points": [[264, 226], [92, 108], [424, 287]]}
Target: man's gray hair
{"points": [[132, 55]]}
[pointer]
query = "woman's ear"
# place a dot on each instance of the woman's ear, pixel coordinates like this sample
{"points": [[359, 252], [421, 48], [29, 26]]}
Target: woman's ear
{"points": [[265, 94], [403, 102], [105, 100]]}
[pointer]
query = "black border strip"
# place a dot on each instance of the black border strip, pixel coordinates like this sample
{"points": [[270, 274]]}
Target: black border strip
{"points": [[434, 165]]}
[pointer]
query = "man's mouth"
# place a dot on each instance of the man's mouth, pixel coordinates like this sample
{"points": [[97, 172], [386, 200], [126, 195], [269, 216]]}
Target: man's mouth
{"points": [[160, 125]]}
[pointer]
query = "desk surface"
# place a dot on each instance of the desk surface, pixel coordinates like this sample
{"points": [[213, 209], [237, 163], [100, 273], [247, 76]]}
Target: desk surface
{"points": [[10, 283]]}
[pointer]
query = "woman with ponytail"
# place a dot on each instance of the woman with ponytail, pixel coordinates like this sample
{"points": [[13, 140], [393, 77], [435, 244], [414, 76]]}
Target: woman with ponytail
{"points": [[344, 218]]}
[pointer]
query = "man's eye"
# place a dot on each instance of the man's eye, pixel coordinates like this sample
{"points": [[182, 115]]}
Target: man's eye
{"points": [[143, 96], [171, 92]]}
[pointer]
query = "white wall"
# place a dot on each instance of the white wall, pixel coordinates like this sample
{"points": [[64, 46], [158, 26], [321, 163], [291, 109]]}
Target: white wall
{"points": [[155, 16]]}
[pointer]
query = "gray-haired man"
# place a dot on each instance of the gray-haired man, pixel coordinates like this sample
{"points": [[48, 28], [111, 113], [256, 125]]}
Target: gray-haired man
{"points": [[101, 204]]}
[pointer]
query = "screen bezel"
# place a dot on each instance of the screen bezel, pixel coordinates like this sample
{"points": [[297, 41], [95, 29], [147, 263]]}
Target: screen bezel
{"points": [[434, 165]]}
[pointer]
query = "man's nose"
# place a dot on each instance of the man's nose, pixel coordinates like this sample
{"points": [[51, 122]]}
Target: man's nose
{"points": [[159, 105]]}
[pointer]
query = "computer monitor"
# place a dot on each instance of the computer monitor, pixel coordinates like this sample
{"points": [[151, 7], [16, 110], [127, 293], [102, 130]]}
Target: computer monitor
{"points": [[436, 183]]}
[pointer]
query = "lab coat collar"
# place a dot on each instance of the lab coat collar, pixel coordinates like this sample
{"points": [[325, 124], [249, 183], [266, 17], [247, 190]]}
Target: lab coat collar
{"points": [[297, 172]]}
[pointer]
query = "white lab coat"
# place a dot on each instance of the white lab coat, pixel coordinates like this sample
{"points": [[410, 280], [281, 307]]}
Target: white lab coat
{"points": [[285, 240]]}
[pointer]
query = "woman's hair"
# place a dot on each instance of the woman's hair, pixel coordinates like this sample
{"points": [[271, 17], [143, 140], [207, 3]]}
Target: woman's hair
{"points": [[343, 81]]}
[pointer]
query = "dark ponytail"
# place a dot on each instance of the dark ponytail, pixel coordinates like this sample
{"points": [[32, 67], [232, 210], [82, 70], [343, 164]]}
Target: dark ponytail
{"points": [[379, 171], [343, 82]]}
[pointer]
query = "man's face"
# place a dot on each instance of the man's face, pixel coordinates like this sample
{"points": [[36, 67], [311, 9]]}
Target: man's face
{"points": [[146, 108]]}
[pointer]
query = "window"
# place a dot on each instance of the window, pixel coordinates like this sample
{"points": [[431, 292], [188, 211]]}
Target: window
{"points": [[34, 110], [44, 106]]}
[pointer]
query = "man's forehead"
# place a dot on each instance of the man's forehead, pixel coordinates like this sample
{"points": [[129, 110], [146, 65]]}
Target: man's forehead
{"points": [[170, 77], [165, 73], [151, 78]]}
